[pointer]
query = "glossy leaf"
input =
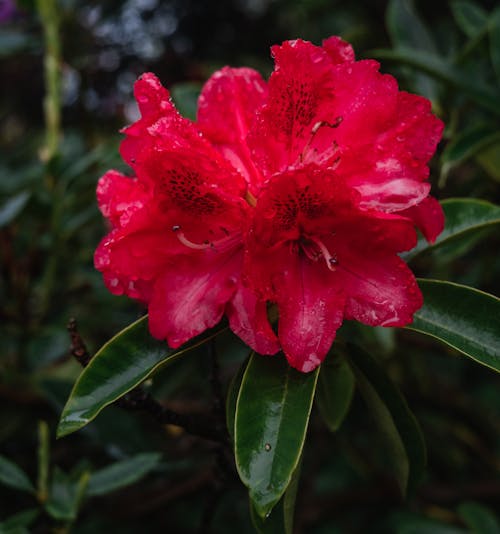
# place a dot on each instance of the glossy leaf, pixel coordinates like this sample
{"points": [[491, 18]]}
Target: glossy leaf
{"points": [[272, 414], [280, 520], [463, 216], [13, 476], [438, 68], [469, 16], [400, 429], [335, 390], [494, 31], [478, 518], [119, 366], [232, 397], [462, 317], [121, 474], [466, 145]]}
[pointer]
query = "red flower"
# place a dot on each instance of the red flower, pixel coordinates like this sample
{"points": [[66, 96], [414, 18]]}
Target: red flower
{"points": [[300, 192]]}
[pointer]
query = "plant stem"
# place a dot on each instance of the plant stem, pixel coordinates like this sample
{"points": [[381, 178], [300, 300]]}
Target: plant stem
{"points": [[52, 60]]}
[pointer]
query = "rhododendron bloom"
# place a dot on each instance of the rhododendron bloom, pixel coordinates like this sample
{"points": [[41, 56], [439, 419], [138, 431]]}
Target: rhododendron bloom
{"points": [[300, 192]]}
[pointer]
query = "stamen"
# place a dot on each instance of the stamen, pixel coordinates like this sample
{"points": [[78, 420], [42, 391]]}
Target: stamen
{"points": [[330, 259], [335, 124], [199, 246], [250, 199]]}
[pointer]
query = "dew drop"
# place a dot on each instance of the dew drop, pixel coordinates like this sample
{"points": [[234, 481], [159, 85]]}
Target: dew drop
{"points": [[267, 447]]}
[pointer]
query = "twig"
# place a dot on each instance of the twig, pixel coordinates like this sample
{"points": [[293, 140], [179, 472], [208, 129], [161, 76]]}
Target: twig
{"points": [[203, 426], [78, 348]]}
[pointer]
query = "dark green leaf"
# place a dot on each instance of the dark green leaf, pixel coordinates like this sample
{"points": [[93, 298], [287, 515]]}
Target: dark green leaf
{"points": [[335, 390], [280, 520], [12, 207], [392, 415], [408, 31], [18, 523], [119, 366], [232, 397], [462, 317], [440, 69], [406, 28], [494, 29], [12, 42], [478, 518], [121, 474], [13, 476], [470, 17], [466, 145], [66, 495], [272, 413], [489, 159], [463, 216]]}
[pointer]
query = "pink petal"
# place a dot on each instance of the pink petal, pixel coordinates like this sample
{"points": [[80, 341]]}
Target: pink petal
{"points": [[227, 106], [428, 217], [120, 198], [191, 295], [339, 50], [380, 289], [311, 308], [248, 320]]}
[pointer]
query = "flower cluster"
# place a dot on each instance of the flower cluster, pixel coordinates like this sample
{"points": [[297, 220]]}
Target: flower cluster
{"points": [[298, 193]]}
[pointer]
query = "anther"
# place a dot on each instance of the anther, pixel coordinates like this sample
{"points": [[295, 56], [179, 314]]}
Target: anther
{"points": [[330, 259]]}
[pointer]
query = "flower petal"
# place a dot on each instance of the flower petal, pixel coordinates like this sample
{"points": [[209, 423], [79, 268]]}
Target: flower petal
{"points": [[227, 107], [248, 320], [380, 289], [428, 217], [311, 309], [191, 295], [120, 198]]}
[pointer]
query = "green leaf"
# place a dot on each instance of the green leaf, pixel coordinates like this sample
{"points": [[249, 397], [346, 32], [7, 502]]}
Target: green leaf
{"points": [[119, 366], [280, 520], [406, 28], [494, 30], [12, 207], [463, 216], [335, 390], [470, 17], [463, 317], [489, 159], [466, 145], [478, 518], [66, 495], [400, 429], [123, 473], [232, 397], [408, 31], [13, 476], [272, 413], [18, 523], [438, 68]]}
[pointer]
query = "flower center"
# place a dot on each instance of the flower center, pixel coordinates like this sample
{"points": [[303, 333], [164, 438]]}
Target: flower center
{"points": [[315, 249]]}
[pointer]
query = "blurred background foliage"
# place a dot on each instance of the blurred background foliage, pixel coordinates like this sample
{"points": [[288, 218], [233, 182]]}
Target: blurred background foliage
{"points": [[125, 473]]}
